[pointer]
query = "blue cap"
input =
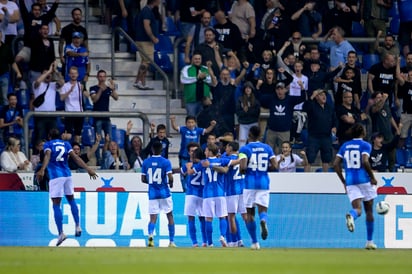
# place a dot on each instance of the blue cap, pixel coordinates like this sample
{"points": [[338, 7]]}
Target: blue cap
{"points": [[77, 35]]}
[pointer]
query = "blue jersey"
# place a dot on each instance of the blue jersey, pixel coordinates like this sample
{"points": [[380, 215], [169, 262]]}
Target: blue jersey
{"points": [[234, 180], [59, 154], [156, 169], [258, 155], [194, 184], [187, 136], [351, 152], [80, 62], [213, 181]]}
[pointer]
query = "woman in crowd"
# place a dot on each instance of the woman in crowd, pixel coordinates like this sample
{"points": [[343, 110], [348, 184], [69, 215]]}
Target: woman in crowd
{"points": [[12, 159]]}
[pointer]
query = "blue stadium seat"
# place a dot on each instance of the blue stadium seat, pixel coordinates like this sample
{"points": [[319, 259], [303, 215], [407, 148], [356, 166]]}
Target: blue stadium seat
{"points": [[162, 59], [401, 157], [31, 120], [181, 60], [172, 30], [300, 169], [118, 137], [87, 104], [369, 60], [165, 44], [88, 136], [358, 30], [59, 103], [394, 26], [304, 139], [319, 169], [364, 100]]}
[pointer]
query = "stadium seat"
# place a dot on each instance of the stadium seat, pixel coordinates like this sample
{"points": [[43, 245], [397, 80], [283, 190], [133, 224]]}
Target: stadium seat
{"points": [[165, 44], [394, 26], [172, 30], [31, 120], [162, 59], [401, 157], [118, 137], [88, 136], [319, 169], [59, 103], [364, 100], [369, 60], [358, 30], [181, 60], [300, 169], [87, 105]]}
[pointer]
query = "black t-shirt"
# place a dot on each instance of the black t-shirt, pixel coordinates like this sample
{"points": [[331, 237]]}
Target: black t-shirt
{"points": [[68, 30], [343, 127], [185, 13], [73, 165], [405, 93], [384, 78]]}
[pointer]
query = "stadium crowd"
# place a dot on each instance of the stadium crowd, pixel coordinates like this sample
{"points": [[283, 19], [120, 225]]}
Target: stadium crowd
{"points": [[241, 59]]}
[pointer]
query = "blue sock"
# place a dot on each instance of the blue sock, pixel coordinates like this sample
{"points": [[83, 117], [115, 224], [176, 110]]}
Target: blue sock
{"points": [[238, 237], [151, 228], [228, 235], [58, 218], [192, 231], [233, 238], [209, 232], [75, 211], [203, 229], [354, 213], [251, 228], [369, 230], [263, 216], [171, 232], [223, 226]]}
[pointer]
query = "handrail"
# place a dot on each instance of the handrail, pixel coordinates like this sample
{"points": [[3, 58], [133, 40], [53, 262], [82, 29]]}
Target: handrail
{"points": [[166, 84], [86, 14], [176, 72], [140, 115]]}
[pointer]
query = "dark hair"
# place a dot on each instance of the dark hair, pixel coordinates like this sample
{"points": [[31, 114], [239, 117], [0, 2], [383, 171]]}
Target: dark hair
{"points": [[76, 144], [376, 93], [352, 52], [190, 117], [54, 133], [357, 130], [199, 154], [157, 148], [76, 9], [209, 29], [34, 5], [254, 132], [292, 159], [192, 144], [11, 94], [234, 145], [160, 127], [213, 148], [101, 71]]}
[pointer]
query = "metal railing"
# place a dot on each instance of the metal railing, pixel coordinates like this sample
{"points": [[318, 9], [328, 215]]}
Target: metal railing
{"points": [[176, 71], [100, 114], [166, 84]]}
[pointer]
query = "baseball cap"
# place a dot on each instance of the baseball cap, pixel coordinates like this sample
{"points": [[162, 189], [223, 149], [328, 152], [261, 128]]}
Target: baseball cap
{"points": [[280, 85], [77, 35]]}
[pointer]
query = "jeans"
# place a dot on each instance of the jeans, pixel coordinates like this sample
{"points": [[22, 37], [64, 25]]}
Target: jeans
{"points": [[4, 88], [193, 108]]}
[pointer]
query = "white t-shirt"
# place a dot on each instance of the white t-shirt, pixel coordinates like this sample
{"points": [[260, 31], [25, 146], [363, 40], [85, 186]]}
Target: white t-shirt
{"points": [[50, 97], [295, 90], [73, 102], [287, 165], [11, 28]]}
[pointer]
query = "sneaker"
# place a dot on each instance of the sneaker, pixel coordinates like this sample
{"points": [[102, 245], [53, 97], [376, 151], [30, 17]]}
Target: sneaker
{"points": [[240, 243], [350, 223], [148, 88], [78, 232], [195, 245], [255, 246], [370, 245], [61, 239], [222, 241], [172, 244], [204, 245], [150, 241], [139, 85], [211, 245], [264, 229]]}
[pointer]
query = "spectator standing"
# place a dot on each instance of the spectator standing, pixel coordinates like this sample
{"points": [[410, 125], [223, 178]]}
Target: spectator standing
{"points": [[404, 94], [12, 159], [134, 149], [382, 77], [44, 10], [405, 28], [11, 120], [161, 138], [112, 158], [196, 35], [342, 14], [381, 152], [243, 15], [84, 156], [211, 51], [147, 30], [287, 160], [14, 16], [309, 20], [77, 55], [189, 13], [389, 45], [321, 125], [228, 34]]}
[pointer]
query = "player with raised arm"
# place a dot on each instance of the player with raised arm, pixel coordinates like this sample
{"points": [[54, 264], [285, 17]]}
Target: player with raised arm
{"points": [[56, 154], [157, 172], [256, 158], [359, 181], [194, 194]]}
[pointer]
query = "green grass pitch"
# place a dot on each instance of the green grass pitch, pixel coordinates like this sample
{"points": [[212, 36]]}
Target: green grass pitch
{"points": [[202, 260]]}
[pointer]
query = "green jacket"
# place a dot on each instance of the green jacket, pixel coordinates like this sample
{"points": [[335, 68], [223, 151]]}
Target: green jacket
{"points": [[188, 78]]}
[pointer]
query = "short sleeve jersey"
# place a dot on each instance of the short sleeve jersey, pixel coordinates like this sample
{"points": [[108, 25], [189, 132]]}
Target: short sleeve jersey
{"points": [[59, 154], [214, 182], [156, 169], [194, 184], [187, 136]]}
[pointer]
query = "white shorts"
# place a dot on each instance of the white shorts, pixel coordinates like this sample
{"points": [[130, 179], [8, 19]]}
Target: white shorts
{"points": [[161, 205], [60, 187], [193, 206], [214, 207], [235, 204], [366, 192], [253, 197]]}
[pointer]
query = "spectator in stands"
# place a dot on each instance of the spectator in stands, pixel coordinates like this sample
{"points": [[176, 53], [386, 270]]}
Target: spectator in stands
{"points": [[389, 45], [33, 22], [160, 137], [134, 148], [147, 30], [100, 95], [228, 34], [314, 57], [67, 33], [42, 53], [382, 76], [124, 13], [36, 157], [356, 81], [342, 14], [321, 125], [7, 60], [339, 47], [405, 28], [73, 94], [84, 156], [381, 151], [408, 65], [347, 115], [374, 16], [13, 17], [189, 13], [309, 20], [112, 158], [12, 159], [196, 80], [196, 35], [211, 51], [294, 46], [383, 122], [405, 94], [347, 83], [77, 55], [11, 119], [247, 111], [278, 30], [318, 78], [44, 10], [287, 160], [47, 85]]}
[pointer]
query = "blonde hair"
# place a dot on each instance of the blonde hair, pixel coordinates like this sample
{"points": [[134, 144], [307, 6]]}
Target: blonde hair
{"points": [[11, 142]]}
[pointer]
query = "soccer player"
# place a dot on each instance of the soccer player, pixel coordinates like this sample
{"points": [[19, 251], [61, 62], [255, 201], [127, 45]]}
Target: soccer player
{"points": [[214, 201], [194, 194], [56, 156], [157, 172], [256, 158], [234, 185], [359, 180]]}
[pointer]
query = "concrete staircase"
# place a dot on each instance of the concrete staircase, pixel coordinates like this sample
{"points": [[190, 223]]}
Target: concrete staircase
{"points": [[152, 102]]}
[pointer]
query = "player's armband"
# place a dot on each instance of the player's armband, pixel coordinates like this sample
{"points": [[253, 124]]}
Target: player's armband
{"points": [[242, 156]]}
